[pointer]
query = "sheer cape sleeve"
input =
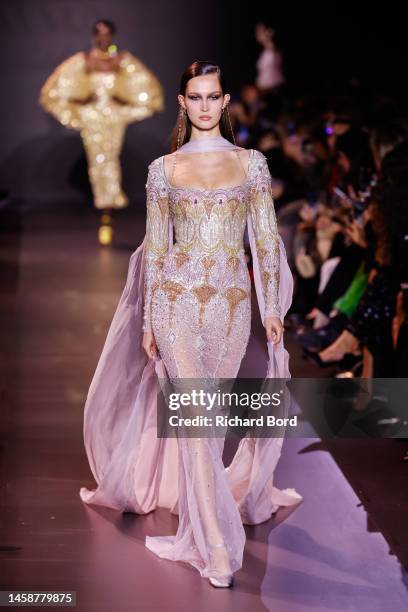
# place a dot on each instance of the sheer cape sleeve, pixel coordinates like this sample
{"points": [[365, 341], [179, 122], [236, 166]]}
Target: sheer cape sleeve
{"points": [[139, 88], [67, 81], [135, 84], [266, 233], [157, 235], [272, 275]]}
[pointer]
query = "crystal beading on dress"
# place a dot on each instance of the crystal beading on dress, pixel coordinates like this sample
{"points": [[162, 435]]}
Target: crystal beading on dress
{"points": [[208, 259], [197, 303], [198, 306]]}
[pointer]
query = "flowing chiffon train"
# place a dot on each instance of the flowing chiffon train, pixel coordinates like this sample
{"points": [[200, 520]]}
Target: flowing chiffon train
{"points": [[137, 471]]}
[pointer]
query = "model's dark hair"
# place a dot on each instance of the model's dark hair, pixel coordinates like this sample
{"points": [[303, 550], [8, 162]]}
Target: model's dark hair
{"points": [[106, 22], [198, 68]]}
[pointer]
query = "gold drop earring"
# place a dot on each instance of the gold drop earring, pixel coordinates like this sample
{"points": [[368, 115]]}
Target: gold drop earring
{"points": [[229, 121], [181, 113]]}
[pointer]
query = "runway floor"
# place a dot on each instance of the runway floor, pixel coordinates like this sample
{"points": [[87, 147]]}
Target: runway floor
{"points": [[343, 548]]}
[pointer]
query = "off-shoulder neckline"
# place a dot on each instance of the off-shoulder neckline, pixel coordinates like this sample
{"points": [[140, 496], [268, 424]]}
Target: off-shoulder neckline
{"points": [[202, 190]]}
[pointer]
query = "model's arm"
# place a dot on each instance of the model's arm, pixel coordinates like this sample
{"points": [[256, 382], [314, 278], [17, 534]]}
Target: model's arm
{"points": [[264, 223], [138, 90], [66, 84], [157, 235]]}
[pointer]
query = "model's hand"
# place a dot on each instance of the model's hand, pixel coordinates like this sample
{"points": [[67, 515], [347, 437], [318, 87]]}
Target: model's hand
{"points": [[274, 328], [149, 344]]}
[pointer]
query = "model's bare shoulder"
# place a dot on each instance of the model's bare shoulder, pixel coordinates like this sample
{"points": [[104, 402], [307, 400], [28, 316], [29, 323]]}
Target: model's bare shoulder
{"points": [[244, 154]]}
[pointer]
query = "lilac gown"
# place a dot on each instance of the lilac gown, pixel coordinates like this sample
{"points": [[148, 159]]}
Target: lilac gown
{"points": [[195, 295]]}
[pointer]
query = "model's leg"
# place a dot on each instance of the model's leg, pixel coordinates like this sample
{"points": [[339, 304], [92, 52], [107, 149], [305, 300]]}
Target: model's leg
{"points": [[225, 333], [210, 535], [226, 329], [250, 474], [103, 145]]}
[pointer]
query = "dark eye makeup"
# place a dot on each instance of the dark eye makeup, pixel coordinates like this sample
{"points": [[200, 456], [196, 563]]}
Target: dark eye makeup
{"points": [[214, 97]]}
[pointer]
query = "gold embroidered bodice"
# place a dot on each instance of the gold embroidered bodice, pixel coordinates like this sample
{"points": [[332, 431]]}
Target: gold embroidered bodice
{"points": [[208, 252]]}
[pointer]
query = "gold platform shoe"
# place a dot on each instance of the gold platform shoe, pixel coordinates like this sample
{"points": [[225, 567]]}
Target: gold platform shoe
{"points": [[105, 231]]}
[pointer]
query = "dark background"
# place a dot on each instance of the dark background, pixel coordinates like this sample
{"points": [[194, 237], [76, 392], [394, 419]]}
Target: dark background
{"points": [[324, 48]]}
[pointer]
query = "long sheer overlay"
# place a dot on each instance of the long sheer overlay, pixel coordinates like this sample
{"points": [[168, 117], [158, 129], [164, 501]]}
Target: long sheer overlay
{"points": [[137, 471]]}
